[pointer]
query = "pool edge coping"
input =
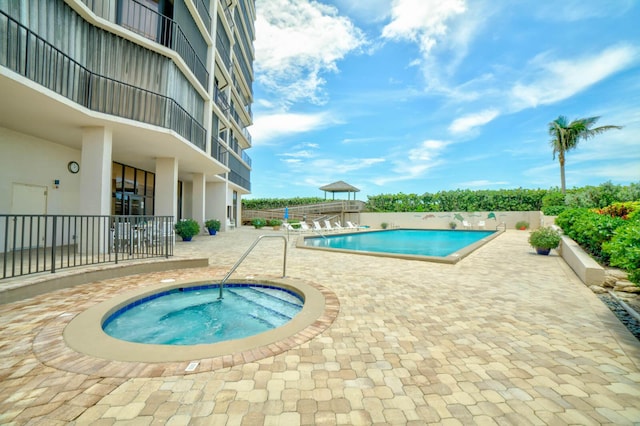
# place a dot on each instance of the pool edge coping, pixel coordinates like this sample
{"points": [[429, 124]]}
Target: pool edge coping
{"points": [[451, 259], [88, 349]]}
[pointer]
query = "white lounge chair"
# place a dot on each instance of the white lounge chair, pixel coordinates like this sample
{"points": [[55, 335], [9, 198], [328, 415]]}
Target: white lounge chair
{"points": [[466, 224], [327, 226], [287, 226], [316, 226], [481, 224], [304, 227], [338, 227], [350, 225]]}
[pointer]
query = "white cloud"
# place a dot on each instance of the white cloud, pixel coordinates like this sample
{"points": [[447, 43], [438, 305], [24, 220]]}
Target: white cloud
{"points": [[416, 163], [267, 127], [297, 41], [469, 122], [551, 81], [421, 21]]}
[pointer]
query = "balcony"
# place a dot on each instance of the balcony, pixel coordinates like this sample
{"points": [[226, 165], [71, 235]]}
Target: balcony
{"points": [[154, 26], [29, 55]]}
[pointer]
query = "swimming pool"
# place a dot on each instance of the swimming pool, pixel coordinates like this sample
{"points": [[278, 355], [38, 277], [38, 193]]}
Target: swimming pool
{"points": [[446, 246], [195, 315]]}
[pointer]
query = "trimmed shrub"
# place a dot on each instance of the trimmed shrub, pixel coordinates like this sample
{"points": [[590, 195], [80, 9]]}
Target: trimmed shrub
{"points": [[624, 249]]}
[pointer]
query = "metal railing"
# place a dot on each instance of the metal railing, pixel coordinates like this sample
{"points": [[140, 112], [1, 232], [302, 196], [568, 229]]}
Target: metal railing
{"points": [[246, 253], [47, 243], [154, 26], [28, 54]]}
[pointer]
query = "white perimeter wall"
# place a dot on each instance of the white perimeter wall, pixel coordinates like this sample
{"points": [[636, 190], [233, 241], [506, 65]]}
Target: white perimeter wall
{"points": [[28, 160], [440, 220]]}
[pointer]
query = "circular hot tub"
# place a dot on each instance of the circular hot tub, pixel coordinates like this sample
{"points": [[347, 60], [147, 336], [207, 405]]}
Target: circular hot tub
{"points": [[86, 332]]}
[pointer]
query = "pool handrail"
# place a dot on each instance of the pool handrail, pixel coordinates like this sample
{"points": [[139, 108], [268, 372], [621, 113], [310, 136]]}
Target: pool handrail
{"points": [[246, 253]]}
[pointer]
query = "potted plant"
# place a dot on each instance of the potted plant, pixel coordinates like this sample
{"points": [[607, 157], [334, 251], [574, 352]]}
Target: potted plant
{"points": [[453, 225], [544, 239], [187, 228], [384, 225], [276, 223], [258, 222], [522, 225], [213, 225]]}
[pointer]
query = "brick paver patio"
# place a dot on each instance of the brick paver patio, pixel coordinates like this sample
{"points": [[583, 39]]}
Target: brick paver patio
{"points": [[503, 337]]}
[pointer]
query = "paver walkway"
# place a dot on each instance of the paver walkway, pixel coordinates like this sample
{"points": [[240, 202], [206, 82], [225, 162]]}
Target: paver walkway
{"points": [[503, 337]]}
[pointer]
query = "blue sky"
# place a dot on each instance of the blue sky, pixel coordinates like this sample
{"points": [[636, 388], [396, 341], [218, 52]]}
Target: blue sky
{"points": [[420, 96]]}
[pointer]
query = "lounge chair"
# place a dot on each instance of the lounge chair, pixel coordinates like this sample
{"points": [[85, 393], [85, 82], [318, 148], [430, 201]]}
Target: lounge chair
{"points": [[304, 227], [327, 226], [352, 226], [316, 226], [338, 227], [287, 226], [466, 224], [481, 224]]}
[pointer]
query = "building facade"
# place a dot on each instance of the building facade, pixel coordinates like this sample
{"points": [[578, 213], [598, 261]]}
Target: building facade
{"points": [[126, 107]]}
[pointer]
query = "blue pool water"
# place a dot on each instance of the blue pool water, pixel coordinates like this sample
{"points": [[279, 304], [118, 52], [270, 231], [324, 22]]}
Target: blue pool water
{"points": [[192, 316], [402, 241]]}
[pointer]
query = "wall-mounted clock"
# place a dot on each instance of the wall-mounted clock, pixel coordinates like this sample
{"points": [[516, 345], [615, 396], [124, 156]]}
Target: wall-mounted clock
{"points": [[73, 166]]}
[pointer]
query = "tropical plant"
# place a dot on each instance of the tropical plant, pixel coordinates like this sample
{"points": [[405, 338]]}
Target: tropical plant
{"points": [[212, 224], [453, 225], [624, 249], [522, 224], [565, 136], [187, 228], [258, 222], [544, 237], [276, 223]]}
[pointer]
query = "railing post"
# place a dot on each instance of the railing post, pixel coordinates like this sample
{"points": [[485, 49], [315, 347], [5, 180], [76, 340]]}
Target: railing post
{"points": [[53, 244]]}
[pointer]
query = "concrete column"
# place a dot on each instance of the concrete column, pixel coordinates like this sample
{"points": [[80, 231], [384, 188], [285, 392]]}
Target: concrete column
{"points": [[198, 198], [95, 171], [166, 197]]}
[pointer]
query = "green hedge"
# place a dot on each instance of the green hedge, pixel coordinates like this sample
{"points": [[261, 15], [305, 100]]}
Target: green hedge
{"points": [[278, 203], [463, 200], [610, 234]]}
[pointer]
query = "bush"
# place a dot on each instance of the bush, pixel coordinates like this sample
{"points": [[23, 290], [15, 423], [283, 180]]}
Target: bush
{"points": [[212, 224], [624, 249], [258, 222], [187, 228], [589, 229], [544, 237], [274, 222], [553, 210], [522, 224], [384, 225]]}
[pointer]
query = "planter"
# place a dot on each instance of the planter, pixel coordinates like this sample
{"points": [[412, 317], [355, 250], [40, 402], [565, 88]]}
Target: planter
{"points": [[212, 231], [543, 251], [186, 238]]}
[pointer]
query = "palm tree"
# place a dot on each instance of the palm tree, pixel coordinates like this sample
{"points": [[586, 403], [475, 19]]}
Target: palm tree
{"points": [[565, 137]]}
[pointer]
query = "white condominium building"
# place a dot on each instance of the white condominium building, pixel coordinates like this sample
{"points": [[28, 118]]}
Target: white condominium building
{"points": [[126, 107]]}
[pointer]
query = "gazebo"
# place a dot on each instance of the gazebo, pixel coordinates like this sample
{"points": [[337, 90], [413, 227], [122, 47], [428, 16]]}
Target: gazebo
{"points": [[339, 186]]}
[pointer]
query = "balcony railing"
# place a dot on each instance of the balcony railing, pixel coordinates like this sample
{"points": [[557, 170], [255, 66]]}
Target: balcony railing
{"points": [[156, 27], [47, 243], [221, 100], [27, 54], [239, 180], [224, 53]]}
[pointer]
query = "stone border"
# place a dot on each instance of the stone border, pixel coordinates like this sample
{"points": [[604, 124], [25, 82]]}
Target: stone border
{"points": [[79, 345], [451, 259], [587, 269]]}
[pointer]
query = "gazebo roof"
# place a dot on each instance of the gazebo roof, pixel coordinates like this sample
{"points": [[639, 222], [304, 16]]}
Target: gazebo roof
{"points": [[339, 186]]}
